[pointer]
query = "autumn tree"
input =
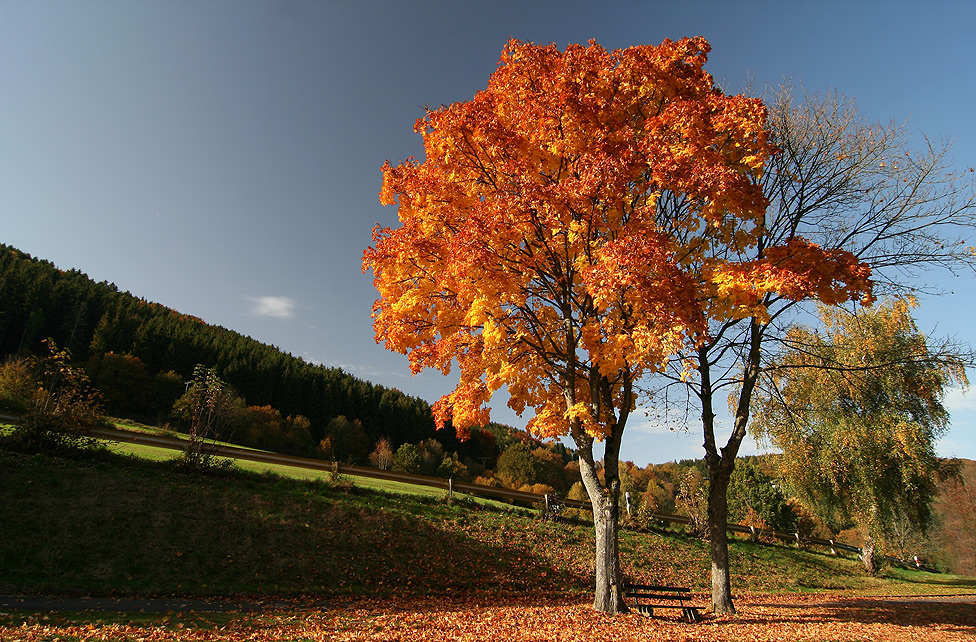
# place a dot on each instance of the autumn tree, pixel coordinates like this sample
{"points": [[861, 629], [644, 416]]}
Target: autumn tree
{"points": [[122, 380], [166, 389], [408, 459], [572, 227], [348, 439], [854, 193], [518, 466], [856, 409], [210, 407], [264, 427], [382, 455]]}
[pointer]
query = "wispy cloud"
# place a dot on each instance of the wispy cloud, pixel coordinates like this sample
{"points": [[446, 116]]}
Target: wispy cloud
{"points": [[276, 307], [371, 373], [363, 371]]}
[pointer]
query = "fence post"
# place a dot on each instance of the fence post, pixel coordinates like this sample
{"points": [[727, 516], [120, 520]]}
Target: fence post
{"points": [[450, 489], [833, 550], [752, 529], [627, 498], [799, 544], [546, 496]]}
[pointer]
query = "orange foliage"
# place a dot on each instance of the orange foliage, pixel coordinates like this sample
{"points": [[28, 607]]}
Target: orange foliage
{"points": [[781, 617], [575, 224]]}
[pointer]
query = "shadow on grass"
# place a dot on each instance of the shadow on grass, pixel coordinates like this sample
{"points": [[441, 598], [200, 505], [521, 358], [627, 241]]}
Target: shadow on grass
{"points": [[111, 526], [908, 612]]}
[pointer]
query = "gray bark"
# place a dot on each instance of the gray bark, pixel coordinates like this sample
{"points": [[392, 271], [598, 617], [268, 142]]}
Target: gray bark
{"points": [[868, 557], [718, 543], [609, 596]]}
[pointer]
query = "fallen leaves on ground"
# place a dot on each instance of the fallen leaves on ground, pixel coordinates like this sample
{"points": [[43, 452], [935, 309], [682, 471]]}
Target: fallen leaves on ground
{"points": [[787, 618]]}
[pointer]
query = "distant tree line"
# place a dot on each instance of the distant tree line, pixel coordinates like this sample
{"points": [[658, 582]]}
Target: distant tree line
{"points": [[140, 355]]}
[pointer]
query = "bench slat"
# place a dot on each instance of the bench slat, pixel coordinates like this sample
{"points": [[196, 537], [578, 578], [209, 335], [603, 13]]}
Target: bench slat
{"points": [[677, 594], [649, 587]]}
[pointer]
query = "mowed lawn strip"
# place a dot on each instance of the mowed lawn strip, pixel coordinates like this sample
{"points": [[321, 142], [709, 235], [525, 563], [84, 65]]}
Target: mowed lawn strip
{"points": [[163, 454]]}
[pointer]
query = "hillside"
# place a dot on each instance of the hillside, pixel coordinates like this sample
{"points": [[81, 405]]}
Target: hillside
{"points": [[954, 535], [105, 524], [139, 353]]}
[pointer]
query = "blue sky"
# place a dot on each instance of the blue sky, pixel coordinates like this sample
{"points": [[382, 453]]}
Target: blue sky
{"points": [[223, 157]]}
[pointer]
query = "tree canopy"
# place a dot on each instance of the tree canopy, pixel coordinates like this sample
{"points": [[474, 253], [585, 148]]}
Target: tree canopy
{"points": [[573, 226], [579, 219], [861, 193], [857, 409]]}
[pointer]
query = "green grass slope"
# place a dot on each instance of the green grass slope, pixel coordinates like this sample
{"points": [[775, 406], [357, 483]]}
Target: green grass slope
{"points": [[109, 524]]}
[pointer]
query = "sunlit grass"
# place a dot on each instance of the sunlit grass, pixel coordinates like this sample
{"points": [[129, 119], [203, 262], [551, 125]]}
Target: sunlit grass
{"points": [[156, 453]]}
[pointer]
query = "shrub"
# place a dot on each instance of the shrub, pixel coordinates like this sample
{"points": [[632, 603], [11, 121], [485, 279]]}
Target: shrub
{"points": [[577, 492], [487, 480], [210, 406], [57, 403], [692, 501], [17, 386], [755, 499], [538, 489]]}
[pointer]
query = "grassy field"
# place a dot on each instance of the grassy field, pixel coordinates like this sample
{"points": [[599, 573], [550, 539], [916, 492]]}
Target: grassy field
{"points": [[291, 472], [115, 524]]}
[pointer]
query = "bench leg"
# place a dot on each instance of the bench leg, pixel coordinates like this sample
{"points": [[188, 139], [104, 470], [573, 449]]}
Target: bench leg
{"points": [[691, 614]]}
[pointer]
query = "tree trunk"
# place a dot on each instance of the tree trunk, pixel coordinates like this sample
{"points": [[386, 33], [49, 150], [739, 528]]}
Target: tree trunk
{"points": [[604, 498], [609, 597], [605, 495], [867, 556], [718, 542], [721, 464]]}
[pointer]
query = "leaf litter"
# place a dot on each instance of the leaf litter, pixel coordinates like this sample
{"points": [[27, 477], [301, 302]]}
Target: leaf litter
{"points": [[775, 618]]}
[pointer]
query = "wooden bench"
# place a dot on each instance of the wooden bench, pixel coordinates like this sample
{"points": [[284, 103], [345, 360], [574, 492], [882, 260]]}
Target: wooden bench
{"points": [[648, 597]]}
